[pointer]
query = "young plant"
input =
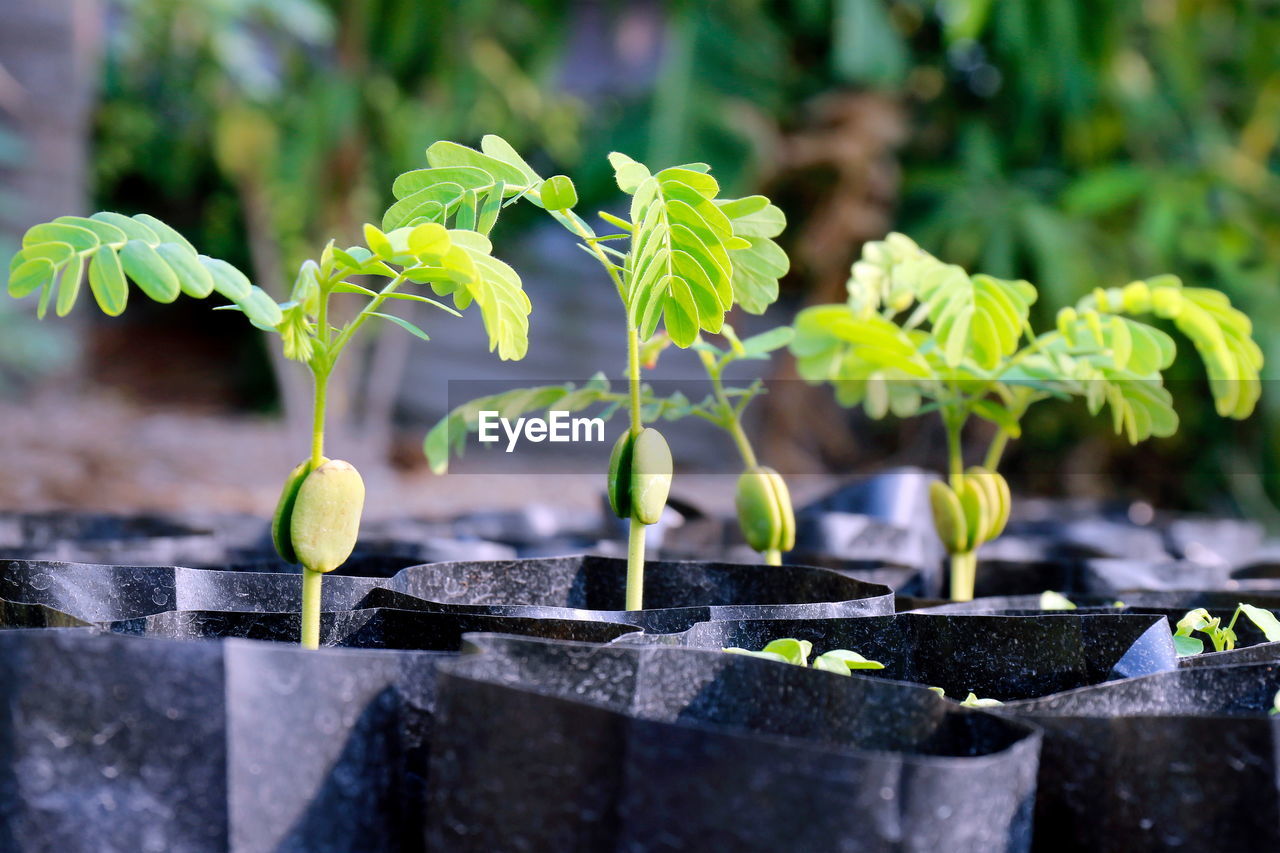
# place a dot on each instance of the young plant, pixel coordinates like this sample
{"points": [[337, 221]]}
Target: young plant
{"points": [[763, 502], [796, 652], [918, 335], [1050, 600], [1223, 639], [683, 258], [436, 235], [972, 700]]}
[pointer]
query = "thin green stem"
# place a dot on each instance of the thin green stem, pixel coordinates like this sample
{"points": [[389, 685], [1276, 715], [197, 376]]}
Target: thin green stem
{"points": [[729, 414], [773, 557], [575, 224], [344, 337], [311, 588], [996, 450], [955, 449], [633, 377], [635, 565], [635, 533], [312, 581], [318, 416]]}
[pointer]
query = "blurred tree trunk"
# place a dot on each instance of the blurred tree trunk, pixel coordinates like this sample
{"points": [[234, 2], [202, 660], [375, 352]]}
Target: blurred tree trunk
{"points": [[48, 62], [49, 51]]}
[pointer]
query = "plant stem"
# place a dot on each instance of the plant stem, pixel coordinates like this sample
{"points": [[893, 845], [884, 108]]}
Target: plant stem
{"points": [[318, 417], [635, 564], [635, 529], [964, 569], [996, 450], [344, 337], [955, 450], [731, 421], [633, 377], [773, 557], [311, 582]]}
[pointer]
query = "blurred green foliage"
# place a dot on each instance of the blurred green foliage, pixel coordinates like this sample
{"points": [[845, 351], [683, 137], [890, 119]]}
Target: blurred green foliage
{"points": [[1076, 143], [305, 106]]}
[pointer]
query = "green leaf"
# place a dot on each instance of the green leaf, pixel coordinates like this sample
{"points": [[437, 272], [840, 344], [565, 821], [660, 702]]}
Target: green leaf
{"points": [[194, 279], [490, 208], [378, 243], [466, 177], [352, 287], [759, 346], [827, 664], [69, 283], [445, 153], [148, 270], [80, 239], [30, 276], [792, 650], [402, 323], [104, 231], [628, 173], [848, 659], [131, 228], [106, 280], [227, 280], [163, 232], [558, 193], [681, 269], [1264, 620], [734, 650], [261, 309], [1050, 600], [499, 149], [497, 289], [1187, 646], [468, 211], [413, 297], [429, 241], [433, 203], [979, 318], [680, 312]]}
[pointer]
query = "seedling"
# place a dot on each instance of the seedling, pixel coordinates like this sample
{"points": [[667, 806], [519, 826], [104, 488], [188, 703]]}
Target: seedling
{"points": [[972, 700], [434, 235], [1275, 705], [1050, 600], [689, 258], [763, 502], [918, 335], [796, 652], [1223, 639]]}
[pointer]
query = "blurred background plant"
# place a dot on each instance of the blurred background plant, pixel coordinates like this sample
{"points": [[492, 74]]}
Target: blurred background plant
{"points": [[1076, 143]]}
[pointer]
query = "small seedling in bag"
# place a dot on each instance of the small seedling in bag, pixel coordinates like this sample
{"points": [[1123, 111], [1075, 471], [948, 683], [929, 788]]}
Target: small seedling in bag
{"points": [[796, 652], [972, 700], [1223, 639], [679, 260], [1050, 600], [918, 335], [434, 239]]}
